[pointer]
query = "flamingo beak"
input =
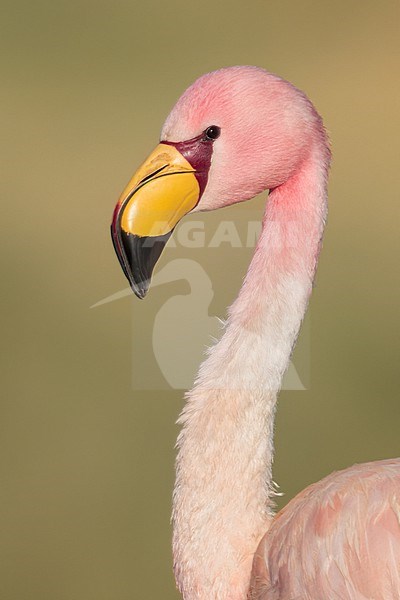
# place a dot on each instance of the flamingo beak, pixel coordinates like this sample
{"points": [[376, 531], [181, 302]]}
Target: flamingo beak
{"points": [[161, 192]]}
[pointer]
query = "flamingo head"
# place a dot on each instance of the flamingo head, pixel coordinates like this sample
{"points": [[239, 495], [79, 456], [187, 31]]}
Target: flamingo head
{"points": [[232, 134]]}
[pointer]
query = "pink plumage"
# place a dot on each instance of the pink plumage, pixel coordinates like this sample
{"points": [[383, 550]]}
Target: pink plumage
{"points": [[340, 538]]}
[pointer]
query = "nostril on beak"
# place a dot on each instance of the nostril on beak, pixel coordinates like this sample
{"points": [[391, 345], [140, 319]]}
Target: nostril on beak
{"points": [[153, 174]]}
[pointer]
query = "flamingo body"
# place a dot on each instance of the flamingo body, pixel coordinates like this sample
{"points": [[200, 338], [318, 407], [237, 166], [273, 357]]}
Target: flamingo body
{"points": [[339, 538]]}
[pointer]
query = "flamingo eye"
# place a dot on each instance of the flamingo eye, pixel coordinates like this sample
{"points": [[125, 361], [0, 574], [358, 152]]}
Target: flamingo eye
{"points": [[212, 132]]}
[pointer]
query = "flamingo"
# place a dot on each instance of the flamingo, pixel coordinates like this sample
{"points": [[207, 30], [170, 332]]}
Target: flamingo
{"points": [[232, 134]]}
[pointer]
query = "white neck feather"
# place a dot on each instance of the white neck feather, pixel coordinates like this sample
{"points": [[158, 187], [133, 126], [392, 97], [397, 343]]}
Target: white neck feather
{"points": [[223, 497]]}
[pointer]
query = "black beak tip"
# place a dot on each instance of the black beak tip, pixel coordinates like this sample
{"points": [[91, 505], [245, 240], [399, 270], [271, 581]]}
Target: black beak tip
{"points": [[138, 256], [139, 291]]}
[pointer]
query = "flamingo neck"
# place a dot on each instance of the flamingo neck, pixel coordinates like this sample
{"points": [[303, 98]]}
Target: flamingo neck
{"points": [[223, 497]]}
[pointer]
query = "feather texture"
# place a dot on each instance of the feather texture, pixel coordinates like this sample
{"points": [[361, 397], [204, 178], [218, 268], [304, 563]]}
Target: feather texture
{"points": [[339, 538]]}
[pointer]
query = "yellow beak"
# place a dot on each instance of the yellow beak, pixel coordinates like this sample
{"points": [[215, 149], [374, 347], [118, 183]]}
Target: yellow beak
{"points": [[160, 193]]}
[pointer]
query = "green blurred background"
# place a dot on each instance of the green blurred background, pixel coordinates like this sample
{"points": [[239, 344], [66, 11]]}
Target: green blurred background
{"points": [[87, 462]]}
